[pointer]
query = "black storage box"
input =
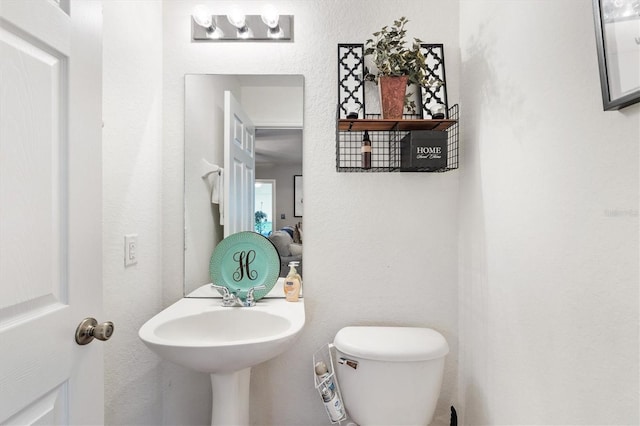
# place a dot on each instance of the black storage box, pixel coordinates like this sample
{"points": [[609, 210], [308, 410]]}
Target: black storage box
{"points": [[423, 150]]}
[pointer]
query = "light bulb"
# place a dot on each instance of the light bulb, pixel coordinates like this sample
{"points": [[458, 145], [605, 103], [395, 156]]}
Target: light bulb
{"points": [[245, 33], [270, 16], [275, 32], [215, 34], [236, 18], [202, 16]]}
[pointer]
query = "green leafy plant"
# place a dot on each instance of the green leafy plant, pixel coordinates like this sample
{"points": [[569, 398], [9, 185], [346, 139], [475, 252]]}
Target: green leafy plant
{"points": [[260, 219], [392, 57]]}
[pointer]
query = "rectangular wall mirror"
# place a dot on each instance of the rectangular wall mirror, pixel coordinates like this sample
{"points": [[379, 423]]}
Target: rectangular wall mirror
{"points": [[273, 109]]}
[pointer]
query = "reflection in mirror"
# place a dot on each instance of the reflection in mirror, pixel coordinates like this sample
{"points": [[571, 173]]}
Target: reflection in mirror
{"points": [[273, 105], [265, 206]]}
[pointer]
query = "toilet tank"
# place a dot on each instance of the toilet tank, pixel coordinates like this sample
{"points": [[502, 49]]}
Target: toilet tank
{"points": [[398, 376]]}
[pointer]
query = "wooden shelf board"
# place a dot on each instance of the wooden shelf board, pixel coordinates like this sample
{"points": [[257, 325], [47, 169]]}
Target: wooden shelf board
{"points": [[387, 125]]}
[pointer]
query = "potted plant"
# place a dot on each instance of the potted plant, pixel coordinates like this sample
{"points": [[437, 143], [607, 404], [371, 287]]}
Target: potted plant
{"points": [[398, 66], [260, 219]]}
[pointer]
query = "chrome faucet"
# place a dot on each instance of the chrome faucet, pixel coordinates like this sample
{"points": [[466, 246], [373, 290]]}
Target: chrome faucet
{"points": [[232, 300], [250, 299], [229, 299]]}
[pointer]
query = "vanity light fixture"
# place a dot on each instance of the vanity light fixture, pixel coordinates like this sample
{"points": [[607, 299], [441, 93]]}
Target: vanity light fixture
{"points": [[236, 26]]}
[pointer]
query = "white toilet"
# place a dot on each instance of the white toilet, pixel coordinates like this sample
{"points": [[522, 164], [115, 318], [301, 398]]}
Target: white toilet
{"points": [[390, 375]]}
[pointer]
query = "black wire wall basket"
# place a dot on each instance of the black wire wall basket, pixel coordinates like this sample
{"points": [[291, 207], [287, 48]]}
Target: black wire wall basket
{"points": [[391, 140]]}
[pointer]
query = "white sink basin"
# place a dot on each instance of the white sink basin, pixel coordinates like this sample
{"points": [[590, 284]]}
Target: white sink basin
{"points": [[202, 335]]}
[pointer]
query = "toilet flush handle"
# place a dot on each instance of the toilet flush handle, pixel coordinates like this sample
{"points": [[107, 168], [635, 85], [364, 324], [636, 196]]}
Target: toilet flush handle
{"points": [[350, 362]]}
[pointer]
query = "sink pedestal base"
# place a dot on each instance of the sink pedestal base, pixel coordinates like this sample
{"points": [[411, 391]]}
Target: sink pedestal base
{"points": [[230, 405]]}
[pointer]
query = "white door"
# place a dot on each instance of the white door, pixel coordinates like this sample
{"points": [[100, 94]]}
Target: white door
{"points": [[50, 211], [239, 168]]}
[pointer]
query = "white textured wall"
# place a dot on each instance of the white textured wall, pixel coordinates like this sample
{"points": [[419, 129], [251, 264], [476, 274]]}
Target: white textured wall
{"points": [[379, 248], [132, 154], [549, 222]]}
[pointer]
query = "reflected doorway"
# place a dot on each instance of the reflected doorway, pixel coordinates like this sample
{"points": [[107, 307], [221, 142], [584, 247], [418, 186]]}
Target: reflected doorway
{"points": [[265, 206]]}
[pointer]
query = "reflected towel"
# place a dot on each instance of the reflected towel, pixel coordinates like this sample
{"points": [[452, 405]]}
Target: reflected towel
{"points": [[218, 193], [217, 185]]}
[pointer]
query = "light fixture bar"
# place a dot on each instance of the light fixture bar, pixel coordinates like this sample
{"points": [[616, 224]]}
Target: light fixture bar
{"points": [[260, 31]]}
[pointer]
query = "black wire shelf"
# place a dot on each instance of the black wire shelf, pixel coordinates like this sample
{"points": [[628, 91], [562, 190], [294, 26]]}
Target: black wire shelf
{"points": [[387, 139]]}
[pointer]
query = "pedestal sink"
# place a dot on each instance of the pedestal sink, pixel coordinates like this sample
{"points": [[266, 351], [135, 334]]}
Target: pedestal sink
{"points": [[202, 335]]}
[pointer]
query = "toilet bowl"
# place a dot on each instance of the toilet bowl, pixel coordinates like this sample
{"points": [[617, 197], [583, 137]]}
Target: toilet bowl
{"points": [[390, 375]]}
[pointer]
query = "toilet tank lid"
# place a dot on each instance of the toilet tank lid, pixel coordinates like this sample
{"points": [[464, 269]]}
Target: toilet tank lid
{"points": [[391, 343]]}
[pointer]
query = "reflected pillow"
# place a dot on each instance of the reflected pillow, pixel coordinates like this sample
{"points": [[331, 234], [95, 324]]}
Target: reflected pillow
{"points": [[281, 240], [296, 249]]}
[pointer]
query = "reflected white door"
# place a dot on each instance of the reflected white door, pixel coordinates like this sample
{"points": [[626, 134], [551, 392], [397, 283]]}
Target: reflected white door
{"points": [[239, 167], [50, 211]]}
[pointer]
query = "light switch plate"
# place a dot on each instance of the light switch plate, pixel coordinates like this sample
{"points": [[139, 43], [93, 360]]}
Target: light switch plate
{"points": [[130, 249]]}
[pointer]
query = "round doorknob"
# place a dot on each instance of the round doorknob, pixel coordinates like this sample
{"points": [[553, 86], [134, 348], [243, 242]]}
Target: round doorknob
{"points": [[89, 329]]}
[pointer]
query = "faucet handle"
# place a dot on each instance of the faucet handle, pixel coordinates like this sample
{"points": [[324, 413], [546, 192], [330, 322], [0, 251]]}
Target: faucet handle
{"points": [[250, 299], [229, 298], [252, 289], [225, 290]]}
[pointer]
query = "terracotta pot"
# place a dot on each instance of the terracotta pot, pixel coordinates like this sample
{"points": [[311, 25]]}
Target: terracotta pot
{"points": [[392, 92]]}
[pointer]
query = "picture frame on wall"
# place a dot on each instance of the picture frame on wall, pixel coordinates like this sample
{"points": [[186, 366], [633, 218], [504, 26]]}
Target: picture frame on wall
{"points": [[617, 26], [297, 196]]}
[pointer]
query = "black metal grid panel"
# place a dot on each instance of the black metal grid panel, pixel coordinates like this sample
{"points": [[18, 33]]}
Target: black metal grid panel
{"points": [[386, 145], [452, 139], [385, 155], [431, 96], [350, 79]]}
